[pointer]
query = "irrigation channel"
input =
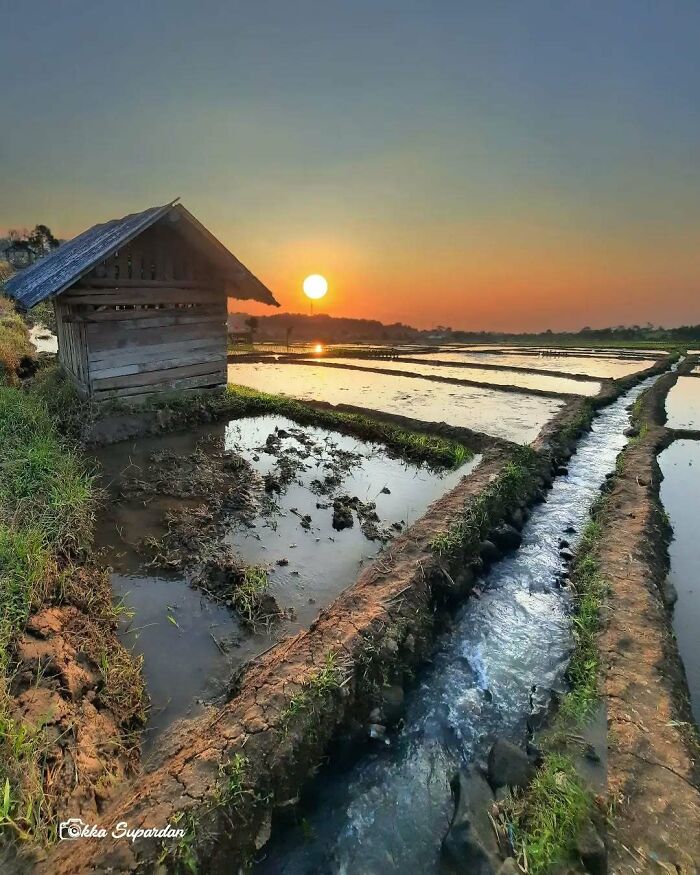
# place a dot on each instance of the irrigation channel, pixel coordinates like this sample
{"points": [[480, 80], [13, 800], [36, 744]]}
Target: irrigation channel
{"points": [[492, 675]]}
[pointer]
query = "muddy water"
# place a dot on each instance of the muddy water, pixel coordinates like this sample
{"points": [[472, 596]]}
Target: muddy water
{"points": [[190, 643], [497, 378], [610, 368], [518, 418], [683, 404], [680, 494], [507, 650], [320, 561]]}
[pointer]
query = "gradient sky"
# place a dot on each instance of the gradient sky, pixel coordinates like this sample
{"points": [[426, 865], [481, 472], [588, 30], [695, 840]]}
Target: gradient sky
{"points": [[514, 165]]}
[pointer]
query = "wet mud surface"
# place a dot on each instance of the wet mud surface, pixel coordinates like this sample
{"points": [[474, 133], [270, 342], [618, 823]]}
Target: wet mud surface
{"points": [[518, 418], [191, 514]]}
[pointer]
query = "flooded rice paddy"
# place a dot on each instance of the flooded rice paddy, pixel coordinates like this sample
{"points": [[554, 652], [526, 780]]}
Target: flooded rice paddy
{"points": [[680, 494], [516, 417], [497, 378], [493, 672], [605, 368], [308, 505], [683, 404]]}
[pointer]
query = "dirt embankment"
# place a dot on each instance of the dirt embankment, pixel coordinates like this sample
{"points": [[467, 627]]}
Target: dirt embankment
{"points": [[293, 700], [653, 777], [223, 775]]}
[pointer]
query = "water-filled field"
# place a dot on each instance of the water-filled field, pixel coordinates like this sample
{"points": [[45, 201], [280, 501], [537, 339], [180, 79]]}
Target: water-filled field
{"points": [[683, 404], [482, 375], [308, 506], [513, 416], [607, 368], [680, 494]]}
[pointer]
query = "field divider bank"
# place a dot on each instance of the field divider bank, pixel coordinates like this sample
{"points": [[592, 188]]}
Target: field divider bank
{"points": [[71, 696], [225, 775], [626, 662]]}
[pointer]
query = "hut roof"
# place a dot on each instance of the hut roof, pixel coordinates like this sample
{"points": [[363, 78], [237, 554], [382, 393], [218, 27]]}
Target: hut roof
{"points": [[58, 271]]}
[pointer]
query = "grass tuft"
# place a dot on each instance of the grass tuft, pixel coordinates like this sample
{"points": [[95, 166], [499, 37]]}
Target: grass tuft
{"points": [[547, 819]]}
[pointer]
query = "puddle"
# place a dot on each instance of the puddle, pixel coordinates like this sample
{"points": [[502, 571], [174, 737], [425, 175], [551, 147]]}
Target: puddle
{"points": [[612, 367], [516, 417], [497, 378], [683, 404], [508, 649], [292, 479], [680, 494]]}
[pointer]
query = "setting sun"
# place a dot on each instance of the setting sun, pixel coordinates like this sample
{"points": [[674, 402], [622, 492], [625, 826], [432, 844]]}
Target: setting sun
{"points": [[315, 286]]}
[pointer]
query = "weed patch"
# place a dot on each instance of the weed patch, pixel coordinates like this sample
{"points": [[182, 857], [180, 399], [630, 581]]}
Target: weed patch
{"points": [[469, 528]]}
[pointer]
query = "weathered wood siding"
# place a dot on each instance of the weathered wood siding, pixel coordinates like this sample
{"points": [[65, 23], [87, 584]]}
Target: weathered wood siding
{"points": [[151, 318], [72, 346]]}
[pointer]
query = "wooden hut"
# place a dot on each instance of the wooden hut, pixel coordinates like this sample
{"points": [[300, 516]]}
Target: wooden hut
{"points": [[140, 303]]}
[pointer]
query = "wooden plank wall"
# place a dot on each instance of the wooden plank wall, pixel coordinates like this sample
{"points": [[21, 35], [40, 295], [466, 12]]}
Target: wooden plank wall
{"points": [[72, 346], [151, 318]]}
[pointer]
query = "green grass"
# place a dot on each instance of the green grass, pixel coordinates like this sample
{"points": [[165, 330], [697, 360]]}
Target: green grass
{"points": [[237, 401], [548, 818], [14, 341], [478, 515], [246, 595], [314, 693], [47, 506], [590, 591]]}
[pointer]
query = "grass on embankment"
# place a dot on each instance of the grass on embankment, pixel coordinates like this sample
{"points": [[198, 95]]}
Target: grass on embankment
{"points": [[479, 515], [14, 342], [237, 401], [47, 508], [547, 818]]}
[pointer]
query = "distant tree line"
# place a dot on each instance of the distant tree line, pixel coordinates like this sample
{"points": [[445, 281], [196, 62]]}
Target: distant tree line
{"points": [[330, 329]]}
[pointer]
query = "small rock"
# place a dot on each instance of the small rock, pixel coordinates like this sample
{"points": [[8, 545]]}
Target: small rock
{"points": [[569, 530], [470, 844], [508, 765], [393, 703], [592, 851], [643, 481], [561, 470], [632, 431], [386, 491], [506, 537], [489, 552], [563, 543], [509, 867], [378, 732], [566, 554], [283, 562], [669, 593], [517, 518]]}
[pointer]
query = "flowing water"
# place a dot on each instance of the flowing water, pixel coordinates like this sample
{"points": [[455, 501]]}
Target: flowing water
{"points": [[507, 650]]}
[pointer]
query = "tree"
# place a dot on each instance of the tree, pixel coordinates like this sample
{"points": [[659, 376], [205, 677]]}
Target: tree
{"points": [[42, 239], [252, 323]]}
